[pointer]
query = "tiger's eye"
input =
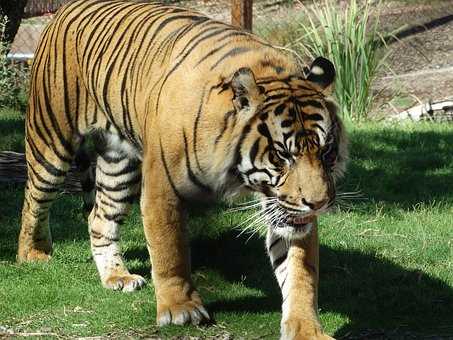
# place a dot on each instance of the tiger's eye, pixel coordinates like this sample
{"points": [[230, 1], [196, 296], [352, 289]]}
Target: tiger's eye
{"points": [[329, 156], [275, 159]]}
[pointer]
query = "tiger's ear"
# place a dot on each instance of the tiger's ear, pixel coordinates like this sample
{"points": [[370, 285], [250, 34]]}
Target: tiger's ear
{"points": [[247, 95], [322, 73]]}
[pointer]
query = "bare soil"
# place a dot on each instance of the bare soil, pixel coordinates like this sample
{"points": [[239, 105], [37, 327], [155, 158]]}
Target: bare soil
{"points": [[420, 63]]}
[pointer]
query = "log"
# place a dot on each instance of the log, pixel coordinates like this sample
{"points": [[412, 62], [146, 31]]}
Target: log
{"points": [[440, 111], [13, 169]]}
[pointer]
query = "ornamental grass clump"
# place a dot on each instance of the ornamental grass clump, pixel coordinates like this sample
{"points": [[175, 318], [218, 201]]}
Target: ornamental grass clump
{"points": [[350, 38]]}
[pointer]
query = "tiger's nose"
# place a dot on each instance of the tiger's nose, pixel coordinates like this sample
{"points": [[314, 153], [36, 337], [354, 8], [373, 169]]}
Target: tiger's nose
{"points": [[315, 205]]}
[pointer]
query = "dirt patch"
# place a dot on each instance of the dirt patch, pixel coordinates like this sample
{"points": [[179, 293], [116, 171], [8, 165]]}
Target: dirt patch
{"points": [[420, 61]]}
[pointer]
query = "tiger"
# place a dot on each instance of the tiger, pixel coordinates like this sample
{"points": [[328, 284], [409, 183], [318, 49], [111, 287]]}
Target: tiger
{"points": [[181, 107]]}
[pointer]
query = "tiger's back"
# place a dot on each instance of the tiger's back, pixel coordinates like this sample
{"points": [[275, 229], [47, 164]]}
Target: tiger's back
{"points": [[116, 64]]}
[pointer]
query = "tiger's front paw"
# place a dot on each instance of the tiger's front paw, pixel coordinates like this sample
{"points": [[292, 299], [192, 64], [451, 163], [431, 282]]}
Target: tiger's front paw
{"points": [[125, 283], [189, 310], [300, 329]]}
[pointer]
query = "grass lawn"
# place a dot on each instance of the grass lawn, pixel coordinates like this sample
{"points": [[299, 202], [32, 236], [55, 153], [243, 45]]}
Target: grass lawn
{"points": [[386, 260]]}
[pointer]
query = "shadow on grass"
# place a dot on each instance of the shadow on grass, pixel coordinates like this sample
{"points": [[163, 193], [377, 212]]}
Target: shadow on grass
{"points": [[403, 168], [373, 293], [376, 295]]}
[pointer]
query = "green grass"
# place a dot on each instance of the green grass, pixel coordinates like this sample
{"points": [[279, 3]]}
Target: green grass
{"points": [[386, 260], [347, 37]]}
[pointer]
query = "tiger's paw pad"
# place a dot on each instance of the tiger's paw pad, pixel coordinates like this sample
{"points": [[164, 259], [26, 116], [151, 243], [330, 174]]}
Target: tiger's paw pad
{"points": [[182, 314], [295, 329], [125, 283]]}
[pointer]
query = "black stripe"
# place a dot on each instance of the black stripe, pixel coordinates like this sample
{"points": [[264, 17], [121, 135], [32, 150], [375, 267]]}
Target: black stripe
{"points": [[305, 103], [112, 159], [119, 186], [176, 66], [277, 262], [167, 21], [232, 53], [167, 172], [42, 189], [38, 176], [270, 80], [255, 170], [40, 200], [127, 199], [226, 118], [193, 178], [268, 63], [195, 130], [264, 130], [315, 116], [274, 243], [101, 245], [237, 152], [279, 109], [212, 32], [225, 37], [212, 52], [254, 151], [55, 126], [116, 217], [158, 14], [275, 97], [97, 25], [50, 168], [129, 168], [287, 123], [319, 127], [105, 203], [283, 283], [285, 297]]}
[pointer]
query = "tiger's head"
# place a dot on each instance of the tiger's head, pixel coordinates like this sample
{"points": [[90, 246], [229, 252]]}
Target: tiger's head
{"points": [[293, 147]]}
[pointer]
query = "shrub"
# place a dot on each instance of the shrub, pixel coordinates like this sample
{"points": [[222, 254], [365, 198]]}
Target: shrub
{"points": [[13, 79], [351, 40]]}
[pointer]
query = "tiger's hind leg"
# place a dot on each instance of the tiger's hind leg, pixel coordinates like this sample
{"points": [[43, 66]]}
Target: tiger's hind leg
{"points": [[118, 179], [47, 165]]}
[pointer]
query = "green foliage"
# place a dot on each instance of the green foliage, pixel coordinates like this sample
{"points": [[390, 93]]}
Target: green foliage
{"points": [[13, 78], [349, 37]]}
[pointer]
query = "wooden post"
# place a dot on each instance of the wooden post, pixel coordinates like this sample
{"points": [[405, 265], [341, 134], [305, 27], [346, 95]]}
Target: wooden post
{"points": [[241, 13]]}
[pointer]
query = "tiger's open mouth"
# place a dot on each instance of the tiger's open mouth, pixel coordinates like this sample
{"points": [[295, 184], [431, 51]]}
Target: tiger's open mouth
{"points": [[297, 222], [294, 226]]}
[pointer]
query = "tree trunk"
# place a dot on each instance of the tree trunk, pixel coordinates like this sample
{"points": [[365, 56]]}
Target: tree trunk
{"points": [[241, 13], [14, 11]]}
